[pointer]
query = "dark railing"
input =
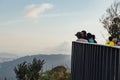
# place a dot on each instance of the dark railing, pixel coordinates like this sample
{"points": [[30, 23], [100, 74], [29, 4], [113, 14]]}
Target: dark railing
{"points": [[95, 62]]}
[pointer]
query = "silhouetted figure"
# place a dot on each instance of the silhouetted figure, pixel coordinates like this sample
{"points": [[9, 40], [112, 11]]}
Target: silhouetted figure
{"points": [[89, 38], [110, 41], [84, 34], [93, 36], [80, 37]]}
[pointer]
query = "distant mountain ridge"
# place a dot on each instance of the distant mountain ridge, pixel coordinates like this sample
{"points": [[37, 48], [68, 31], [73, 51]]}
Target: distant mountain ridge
{"points": [[4, 57], [6, 68]]}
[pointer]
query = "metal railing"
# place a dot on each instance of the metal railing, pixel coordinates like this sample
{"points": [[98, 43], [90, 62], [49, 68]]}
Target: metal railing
{"points": [[95, 62]]}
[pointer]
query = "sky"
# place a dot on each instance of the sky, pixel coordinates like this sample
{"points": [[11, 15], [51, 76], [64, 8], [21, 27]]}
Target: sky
{"points": [[35, 26]]}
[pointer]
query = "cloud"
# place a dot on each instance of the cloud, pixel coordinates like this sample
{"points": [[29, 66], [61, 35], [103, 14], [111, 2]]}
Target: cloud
{"points": [[62, 48], [60, 14], [34, 10]]}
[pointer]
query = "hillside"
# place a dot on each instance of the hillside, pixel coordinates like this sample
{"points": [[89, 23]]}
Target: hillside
{"points": [[4, 57], [6, 68]]}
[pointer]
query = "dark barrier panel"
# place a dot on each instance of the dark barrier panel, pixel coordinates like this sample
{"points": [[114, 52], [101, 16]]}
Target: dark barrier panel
{"points": [[95, 62]]}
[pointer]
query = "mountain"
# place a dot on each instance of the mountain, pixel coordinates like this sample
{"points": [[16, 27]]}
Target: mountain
{"points": [[4, 57], [6, 68]]}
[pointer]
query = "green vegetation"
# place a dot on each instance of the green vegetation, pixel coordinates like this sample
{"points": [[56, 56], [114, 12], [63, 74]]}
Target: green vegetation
{"points": [[33, 71], [57, 73], [111, 20], [29, 71]]}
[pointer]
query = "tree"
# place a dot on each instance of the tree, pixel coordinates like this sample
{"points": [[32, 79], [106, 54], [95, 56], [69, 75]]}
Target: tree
{"points": [[34, 69], [29, 71], [111, 20], [57, 73], [21, 71]]}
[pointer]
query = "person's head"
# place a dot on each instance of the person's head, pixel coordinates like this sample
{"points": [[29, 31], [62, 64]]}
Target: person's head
{"points": [[79, 35], [110, 38], [93, 36], [89, 35], [84, 32], [114, 38]]}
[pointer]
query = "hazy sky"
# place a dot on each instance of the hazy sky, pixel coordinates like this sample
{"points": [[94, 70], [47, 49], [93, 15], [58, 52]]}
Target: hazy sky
{"points": [[33, 26]]}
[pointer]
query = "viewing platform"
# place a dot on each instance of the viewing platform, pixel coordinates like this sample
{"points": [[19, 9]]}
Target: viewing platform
{"points": [[94, 62]]}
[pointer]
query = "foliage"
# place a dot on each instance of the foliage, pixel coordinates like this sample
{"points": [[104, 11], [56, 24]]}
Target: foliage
{"points": [[34, 68], [29, 71], [111, 20], [57, 73], [21, 71]]}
